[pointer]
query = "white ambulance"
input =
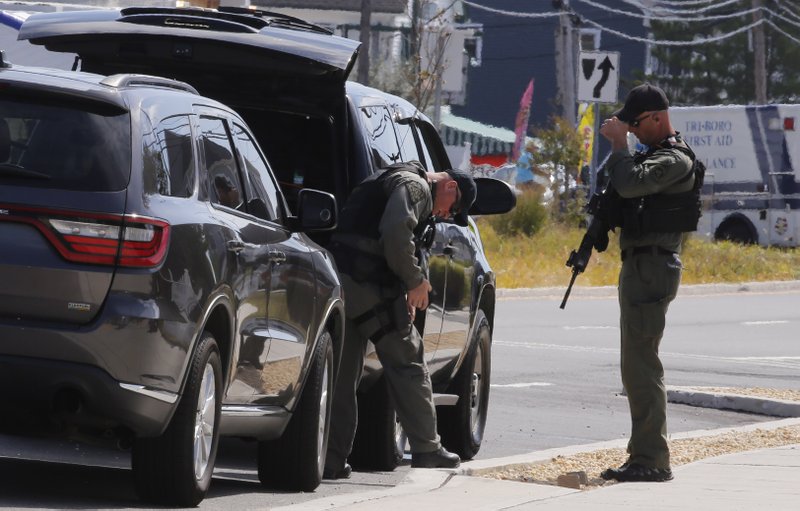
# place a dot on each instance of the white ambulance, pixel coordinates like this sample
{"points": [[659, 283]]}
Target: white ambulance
{"points": [[752, 153]]}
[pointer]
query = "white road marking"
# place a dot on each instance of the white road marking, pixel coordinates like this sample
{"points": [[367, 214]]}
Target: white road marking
{"points": [[591, 327], [783, 362], [543, 346], [521, 385], [759, 323]]}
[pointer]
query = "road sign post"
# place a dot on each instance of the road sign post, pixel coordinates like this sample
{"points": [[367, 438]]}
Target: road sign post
{"points": [[598, 82]]}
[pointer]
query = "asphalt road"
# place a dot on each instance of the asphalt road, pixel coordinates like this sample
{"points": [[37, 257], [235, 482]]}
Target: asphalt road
{"points": [[556, 380], [555, 383]]}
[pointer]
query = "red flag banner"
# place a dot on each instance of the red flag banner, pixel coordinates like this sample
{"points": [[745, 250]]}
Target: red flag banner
{"points": [[521, 125]]}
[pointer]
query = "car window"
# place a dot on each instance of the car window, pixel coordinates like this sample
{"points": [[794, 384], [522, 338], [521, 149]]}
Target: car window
{"points": [[48, 143], [169, 158], [434, 148], [408, 143], [262, 191], [225, 187], [380, 130]]}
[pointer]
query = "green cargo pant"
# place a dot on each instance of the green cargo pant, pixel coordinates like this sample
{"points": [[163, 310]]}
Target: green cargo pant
{"points": [[403, 360], [647, 284]]}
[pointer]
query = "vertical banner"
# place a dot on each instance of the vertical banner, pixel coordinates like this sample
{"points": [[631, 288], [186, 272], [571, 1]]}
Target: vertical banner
{"points": [[586, 133], [521, 124]]}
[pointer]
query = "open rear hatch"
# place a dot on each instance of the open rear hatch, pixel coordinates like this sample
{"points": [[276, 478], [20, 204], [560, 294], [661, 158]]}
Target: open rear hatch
{"points": [[237, 56]]}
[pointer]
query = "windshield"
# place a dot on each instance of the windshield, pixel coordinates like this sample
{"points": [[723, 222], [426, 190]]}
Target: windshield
{"points": [[43, 144]]}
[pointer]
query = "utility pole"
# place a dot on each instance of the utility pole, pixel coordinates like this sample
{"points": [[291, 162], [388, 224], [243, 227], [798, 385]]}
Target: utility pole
{"points": [[759, 55], [365, 36], [414, 36], [566, 46]]}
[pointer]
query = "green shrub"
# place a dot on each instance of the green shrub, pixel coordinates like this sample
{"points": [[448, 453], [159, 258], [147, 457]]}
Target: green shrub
{"points": [[528, 217]]}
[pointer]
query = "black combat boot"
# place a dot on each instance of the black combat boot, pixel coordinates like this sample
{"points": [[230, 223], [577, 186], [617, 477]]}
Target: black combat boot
{"points": [[338, 473], [636, 472], [435, 459]]}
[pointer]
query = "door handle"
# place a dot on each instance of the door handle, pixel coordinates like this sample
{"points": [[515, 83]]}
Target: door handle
{"points": [[277, 257], [235, 246], [449, 250]]}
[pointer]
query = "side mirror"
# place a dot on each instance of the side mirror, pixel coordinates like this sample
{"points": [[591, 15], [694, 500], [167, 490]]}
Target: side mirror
{"points": [[493, 198], [316, 211]]}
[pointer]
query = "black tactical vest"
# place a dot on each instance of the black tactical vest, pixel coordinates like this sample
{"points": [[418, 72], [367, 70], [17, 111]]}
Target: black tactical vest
{"points": [[361, 215], [664, 212]]}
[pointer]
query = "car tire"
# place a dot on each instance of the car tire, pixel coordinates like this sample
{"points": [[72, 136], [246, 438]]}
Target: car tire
{"points": [[175, 468], [461, 426], [293, 461], [379, 441]]}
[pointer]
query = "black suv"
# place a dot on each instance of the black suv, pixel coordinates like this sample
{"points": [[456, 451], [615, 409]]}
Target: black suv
{"points": [[156, 291], [288, 80]]}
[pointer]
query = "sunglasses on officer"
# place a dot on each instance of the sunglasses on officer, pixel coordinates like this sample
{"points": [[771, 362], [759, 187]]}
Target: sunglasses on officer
{"points": [[639, 120]]}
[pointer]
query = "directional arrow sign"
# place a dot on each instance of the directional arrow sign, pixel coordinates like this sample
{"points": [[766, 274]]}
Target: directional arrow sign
{"points": [[598, 78]]}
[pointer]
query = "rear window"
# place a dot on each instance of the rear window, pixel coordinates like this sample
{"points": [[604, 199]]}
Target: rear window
{"points": [[49, 145]]}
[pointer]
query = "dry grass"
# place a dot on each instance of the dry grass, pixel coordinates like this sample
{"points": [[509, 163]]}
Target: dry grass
{"points": [[538, 260]]}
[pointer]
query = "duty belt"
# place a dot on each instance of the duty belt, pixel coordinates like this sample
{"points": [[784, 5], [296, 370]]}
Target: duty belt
{"points": [[648, 249]]}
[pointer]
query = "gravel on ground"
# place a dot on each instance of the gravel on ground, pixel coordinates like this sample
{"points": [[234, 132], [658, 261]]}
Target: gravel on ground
{"points": [[588, 465], [783, 394]]}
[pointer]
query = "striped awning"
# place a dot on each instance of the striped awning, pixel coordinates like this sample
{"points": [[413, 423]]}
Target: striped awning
{"points": [[484, 139]]}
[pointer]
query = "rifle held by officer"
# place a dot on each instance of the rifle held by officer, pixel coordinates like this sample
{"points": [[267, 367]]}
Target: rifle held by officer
{"points": [[596, 235]]}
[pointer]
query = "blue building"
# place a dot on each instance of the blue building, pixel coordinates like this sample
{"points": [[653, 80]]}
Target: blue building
{"points": [[516, 49]]}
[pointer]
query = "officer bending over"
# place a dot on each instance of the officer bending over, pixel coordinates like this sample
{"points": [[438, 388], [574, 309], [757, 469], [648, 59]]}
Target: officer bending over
{"points": [[659, 202], [374, 248]]}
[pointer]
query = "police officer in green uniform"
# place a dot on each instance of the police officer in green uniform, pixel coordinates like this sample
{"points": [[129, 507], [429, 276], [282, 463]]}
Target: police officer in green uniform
{"points": [[657, 205], [375, 251]]}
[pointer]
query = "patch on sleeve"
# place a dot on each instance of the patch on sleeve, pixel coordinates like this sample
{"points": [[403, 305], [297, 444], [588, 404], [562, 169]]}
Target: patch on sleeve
{"points": [[658, 172], [416, 191], [658, 166]]}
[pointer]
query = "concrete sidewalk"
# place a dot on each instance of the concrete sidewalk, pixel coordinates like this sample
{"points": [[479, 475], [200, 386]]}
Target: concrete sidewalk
{"points": [[754, 480], [760, 479]]}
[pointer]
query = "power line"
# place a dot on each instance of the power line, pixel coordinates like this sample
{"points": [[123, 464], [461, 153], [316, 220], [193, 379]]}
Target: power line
{"points": [[713, 17], [682, 3], [649, 40], [717, 5], [696, 42], [512, 13], [782, 7], [773, 25]]}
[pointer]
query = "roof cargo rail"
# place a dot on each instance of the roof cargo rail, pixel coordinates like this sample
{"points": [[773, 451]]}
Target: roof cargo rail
{"points": [[137, 80], [277, 19]]}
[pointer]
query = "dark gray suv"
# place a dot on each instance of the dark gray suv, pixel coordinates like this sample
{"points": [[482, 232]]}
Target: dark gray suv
{"points": [[156, 290], [288, 80]]}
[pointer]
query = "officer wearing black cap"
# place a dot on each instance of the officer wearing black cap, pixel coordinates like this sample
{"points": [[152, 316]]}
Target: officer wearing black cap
{"points": [[656, 187], [375, 251]]}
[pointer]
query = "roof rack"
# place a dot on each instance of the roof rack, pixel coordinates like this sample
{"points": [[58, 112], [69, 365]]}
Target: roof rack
{"points": [[137, 80], [276, 18], [230, 19], [193, 17]]}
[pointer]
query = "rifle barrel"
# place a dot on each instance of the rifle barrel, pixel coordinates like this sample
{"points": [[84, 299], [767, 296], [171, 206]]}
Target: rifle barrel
{"points": [[575, 273]]}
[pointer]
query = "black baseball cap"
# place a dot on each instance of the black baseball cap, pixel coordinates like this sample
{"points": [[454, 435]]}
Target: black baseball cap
{"points": [[642, 98], [468, 191]]}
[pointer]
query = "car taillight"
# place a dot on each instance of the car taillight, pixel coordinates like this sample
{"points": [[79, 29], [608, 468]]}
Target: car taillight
{"points": [[127, 240]]}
